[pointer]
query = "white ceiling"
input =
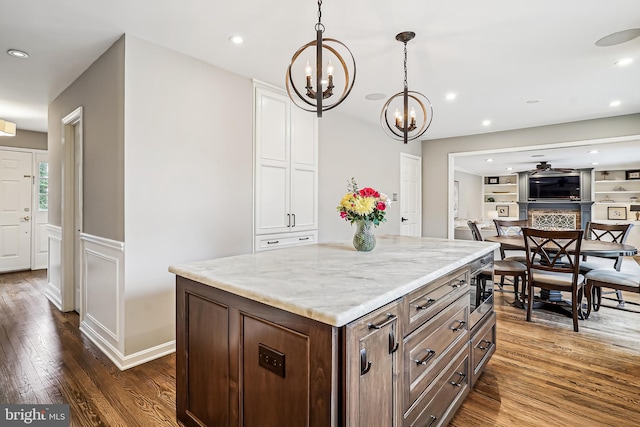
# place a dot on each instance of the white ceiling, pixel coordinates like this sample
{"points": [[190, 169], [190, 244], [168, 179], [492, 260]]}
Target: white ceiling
{"points": [[495, 54]]}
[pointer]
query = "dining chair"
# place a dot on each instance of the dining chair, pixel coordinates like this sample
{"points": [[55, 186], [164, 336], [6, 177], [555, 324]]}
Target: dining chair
{"points": [[616, 233], [608, 278], [558, 268], [506, 227], [514, 269]]}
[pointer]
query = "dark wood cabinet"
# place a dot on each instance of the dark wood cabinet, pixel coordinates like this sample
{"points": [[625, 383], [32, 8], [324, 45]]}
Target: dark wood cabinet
{"points": [[410, 362]]}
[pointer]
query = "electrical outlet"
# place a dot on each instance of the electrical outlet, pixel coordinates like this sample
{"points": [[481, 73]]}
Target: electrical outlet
{"points": [[271, 360]]}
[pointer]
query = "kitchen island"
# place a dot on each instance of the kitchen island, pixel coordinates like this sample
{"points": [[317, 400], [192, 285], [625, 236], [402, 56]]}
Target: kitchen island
{"points": [[323, 335]]}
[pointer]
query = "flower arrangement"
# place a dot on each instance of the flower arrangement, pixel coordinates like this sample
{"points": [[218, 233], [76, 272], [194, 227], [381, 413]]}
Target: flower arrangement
{"points": [[363, 204]]}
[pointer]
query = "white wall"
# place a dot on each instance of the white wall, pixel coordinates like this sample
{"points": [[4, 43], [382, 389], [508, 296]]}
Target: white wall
{"points": [[470, 202], [436, 170], [348, 148], [188, 178]]}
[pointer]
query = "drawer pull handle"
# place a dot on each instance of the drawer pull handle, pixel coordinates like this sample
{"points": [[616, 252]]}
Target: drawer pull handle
{"points": [[487, 345], [364, 365], [393, 345], [463, 376], [390, 318], [273, 242], [461, 282], [460, 326], [429, 356], [433, 420], [430, 302], [303, 238]]}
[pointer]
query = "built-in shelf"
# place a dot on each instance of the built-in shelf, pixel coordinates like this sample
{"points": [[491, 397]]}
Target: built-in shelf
{"points": [[614, 196]]}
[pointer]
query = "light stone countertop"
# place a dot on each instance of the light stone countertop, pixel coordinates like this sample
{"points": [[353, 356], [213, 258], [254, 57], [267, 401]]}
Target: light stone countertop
{"points": [[332, 282]]}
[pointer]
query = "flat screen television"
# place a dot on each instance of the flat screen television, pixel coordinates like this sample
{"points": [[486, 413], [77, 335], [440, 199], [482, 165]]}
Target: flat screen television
{"points": [[554, 187]]}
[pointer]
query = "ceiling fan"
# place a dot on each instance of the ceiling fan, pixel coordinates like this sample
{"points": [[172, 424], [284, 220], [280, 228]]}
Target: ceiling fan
{"points": [[543, 166]]}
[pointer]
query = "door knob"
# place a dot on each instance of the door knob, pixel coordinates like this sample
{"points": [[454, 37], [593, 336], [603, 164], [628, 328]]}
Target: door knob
{"points": [[403, 219], [26, 218]]}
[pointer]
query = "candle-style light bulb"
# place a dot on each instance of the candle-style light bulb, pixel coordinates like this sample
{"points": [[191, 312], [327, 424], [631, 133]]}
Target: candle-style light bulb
{"points": [[307, 70], [413, 113], [398, 118], [329, 69]]}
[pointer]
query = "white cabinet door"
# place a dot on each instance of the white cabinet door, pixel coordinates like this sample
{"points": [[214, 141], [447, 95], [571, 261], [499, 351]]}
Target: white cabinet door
{"points": [[304, 170], [15, 210], [273, 162]]}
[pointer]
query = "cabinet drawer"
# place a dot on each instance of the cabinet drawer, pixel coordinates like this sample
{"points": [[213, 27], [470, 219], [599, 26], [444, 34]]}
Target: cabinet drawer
{"points": [[430, 343], [483, 345], [427, 301], [436, 405], [276, 241]]}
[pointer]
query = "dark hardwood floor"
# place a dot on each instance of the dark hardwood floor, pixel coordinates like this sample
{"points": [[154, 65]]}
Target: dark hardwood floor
{"points": [[542, 374]]}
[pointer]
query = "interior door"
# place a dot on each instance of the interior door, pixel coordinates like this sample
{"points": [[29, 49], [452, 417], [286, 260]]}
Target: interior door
{"points": [[15, 210], [410, 195]]}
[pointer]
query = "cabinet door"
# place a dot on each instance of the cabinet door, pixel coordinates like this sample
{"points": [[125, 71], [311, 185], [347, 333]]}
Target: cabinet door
{"points": [[377, 384], [374, 343], [304, 170], [273, 162]]}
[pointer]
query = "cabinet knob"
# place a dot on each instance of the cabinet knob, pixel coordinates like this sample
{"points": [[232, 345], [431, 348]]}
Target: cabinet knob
{"points": [[403, 219]]}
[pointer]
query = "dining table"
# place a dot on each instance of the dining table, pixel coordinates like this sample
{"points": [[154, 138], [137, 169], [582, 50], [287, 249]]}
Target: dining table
{"points": [[598, 248]]}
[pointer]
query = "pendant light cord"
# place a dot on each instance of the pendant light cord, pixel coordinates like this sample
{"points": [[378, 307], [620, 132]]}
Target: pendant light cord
{"points": [[405, 66], [319, 25]]}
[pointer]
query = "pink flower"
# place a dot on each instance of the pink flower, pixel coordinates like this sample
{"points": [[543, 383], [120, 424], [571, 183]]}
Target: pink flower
{"points": [[369, 192], [381, 206], [343, 214]]}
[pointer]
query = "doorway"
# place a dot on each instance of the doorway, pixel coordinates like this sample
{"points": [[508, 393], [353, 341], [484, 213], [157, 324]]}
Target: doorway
{"points": [[71, 271]]}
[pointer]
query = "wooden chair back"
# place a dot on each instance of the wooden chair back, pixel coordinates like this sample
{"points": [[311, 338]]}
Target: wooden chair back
{"points": [[553, 250], [616, 233], [506, 227], [475, 232]]}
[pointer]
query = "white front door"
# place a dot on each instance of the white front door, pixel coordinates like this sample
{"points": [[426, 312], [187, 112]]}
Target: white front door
{"points": [[15, 210], [410, 195]]}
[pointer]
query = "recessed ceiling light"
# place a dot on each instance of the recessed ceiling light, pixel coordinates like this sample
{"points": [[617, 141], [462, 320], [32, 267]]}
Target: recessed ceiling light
{"points": [[451, 96], [593, 152], [16, 53], [614, 104], [488, 160], [624, 61], [375, 96], [533, 101], [594, 163], [509, 168], [236, 39], [619, 37], [537, 155], [486, 122]]}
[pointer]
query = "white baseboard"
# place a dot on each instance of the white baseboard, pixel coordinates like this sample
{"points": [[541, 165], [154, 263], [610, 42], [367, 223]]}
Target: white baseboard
{"points": [[125, 362]]}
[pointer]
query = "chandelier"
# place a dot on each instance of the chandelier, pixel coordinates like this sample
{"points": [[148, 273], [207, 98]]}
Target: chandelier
{"points": [[413, 111], [322, 91]]}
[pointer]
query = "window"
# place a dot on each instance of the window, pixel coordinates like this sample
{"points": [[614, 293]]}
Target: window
{"points": [[43, 186]]}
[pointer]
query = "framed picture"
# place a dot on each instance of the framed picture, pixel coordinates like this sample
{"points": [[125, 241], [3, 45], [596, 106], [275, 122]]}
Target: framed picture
{"points": [[493, 179], [502, 211], [615, 212], [633, 174]]}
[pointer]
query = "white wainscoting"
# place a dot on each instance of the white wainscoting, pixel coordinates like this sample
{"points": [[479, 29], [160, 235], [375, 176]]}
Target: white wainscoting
{"points": [[102, 295], [102, 317], [53, 291]]}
